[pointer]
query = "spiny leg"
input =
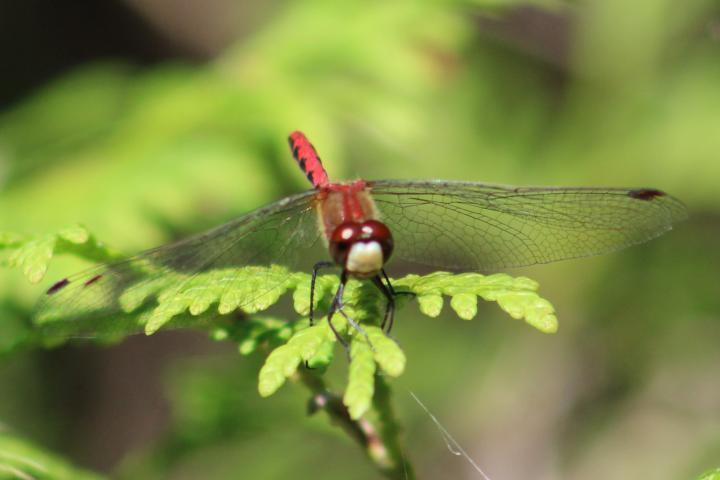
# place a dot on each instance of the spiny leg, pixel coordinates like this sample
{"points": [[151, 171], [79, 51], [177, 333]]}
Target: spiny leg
{"points": [[387, 280], [316, 269], [390, 311], [389, 293], [336, 305], [356, 326]]}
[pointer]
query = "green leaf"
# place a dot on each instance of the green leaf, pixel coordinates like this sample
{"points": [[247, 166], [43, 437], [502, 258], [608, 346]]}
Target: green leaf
{"points": [[516, 295], [388, 355], [170, 298], [325, 286], [710, 475], [316, 348], [465, 305], [190, 299], [33, 257], [19, 459], [323, 357], [252, 333], [10, 239], [304, 345], [230, 288], [33, 254], [430, 304], [361, 378]]}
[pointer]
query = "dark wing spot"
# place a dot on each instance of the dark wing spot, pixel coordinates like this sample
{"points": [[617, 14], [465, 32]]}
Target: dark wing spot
{"points": [[57, 286], [301, 162], [92, 280], [645, 193], [310, 177]]}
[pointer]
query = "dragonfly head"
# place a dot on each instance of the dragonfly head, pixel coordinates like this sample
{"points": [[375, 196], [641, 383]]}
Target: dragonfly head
{"points": [[361, 248]]}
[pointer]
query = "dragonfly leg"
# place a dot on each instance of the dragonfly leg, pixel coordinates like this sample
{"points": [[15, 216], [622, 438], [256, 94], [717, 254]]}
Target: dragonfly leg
{"points": [[337, 305], [389, 293], [389, 284], [357, 327], [316, 269], [334, 307]]}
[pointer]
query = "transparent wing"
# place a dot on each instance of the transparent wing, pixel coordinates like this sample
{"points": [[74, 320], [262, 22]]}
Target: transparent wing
{"points": [[283, 233], [470, 226]]}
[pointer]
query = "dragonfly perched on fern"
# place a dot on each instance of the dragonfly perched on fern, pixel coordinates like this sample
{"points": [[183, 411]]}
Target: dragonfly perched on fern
{"points": [[247, 263]]}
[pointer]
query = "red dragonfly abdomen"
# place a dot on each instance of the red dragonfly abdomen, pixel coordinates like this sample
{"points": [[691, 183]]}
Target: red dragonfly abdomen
{"points": [[308, 159]]}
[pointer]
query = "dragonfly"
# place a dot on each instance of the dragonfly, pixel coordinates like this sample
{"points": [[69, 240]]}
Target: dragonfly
{"points": [[358, 226]]}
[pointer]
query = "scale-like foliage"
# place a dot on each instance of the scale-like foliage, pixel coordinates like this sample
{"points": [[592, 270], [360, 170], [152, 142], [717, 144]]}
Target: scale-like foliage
{"points": [[225, 302]]}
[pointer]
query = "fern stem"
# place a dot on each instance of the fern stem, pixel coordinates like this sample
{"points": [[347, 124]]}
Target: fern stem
{"points": [[390, 429], [379, 442]]}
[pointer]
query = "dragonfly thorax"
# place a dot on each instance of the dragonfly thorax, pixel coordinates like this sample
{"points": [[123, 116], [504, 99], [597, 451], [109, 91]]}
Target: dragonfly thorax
{"points": [[361, 248]]}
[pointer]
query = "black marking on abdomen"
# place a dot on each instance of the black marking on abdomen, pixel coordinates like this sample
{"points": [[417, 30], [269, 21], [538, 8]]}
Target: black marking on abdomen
{"points": [[57, 286], [92, 280], [645, 193]]}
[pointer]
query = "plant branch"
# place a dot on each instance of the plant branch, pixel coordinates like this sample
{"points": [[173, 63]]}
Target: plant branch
{"points": [[380, 443]]}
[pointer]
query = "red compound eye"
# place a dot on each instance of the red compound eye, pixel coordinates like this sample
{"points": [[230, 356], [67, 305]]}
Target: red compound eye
{"points": [[379, 232], [348, 233], [344, 236]]}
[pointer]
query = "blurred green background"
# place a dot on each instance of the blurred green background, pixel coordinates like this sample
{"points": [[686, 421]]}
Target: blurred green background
{"points": [[147, 120]]}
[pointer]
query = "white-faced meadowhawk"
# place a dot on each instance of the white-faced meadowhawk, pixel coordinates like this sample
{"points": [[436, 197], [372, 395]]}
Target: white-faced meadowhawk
{"points": [[360, 225]]}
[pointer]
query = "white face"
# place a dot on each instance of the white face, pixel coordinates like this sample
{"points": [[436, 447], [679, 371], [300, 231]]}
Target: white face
{"points": [[365, 258]]}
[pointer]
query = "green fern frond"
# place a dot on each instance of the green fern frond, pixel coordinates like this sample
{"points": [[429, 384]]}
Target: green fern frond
{"points": [[229, 288], [710, 475], [33, 254], [304, 345], [19, 459], [245, 288], [516, 295], [361, 377], [386, 353], [206, 299], [255, 332]]}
